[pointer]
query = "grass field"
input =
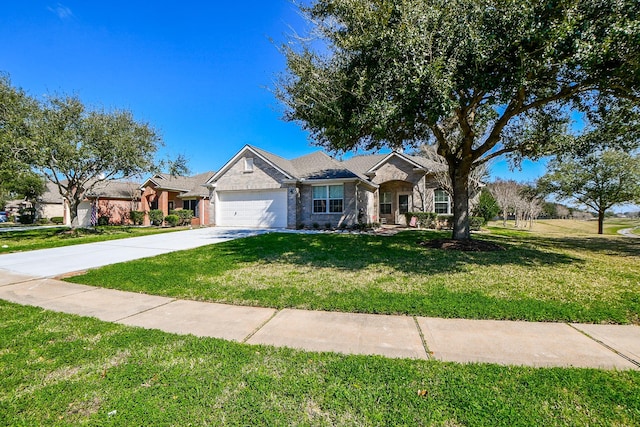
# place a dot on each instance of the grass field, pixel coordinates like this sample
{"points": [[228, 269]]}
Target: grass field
{"points": [[43, 238], [571, 227], [59, 369], [537, 277]]}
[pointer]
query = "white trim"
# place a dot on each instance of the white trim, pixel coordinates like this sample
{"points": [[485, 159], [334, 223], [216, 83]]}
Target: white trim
{"points": [[399, 155], [330, 181], [235, 158], [449, 204], [327, 199]]}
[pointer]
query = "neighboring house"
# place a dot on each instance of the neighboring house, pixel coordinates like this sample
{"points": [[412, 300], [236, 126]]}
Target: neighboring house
{"points": [[13, 208], [50, 204], [111, 199], [259, 189], [167, 193]]}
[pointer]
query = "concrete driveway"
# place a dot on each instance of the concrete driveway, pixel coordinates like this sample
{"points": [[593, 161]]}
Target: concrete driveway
{"points": [[58, 261]]}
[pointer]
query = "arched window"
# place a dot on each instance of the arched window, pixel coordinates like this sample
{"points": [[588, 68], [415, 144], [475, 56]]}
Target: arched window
{"points": [[442, 202]]}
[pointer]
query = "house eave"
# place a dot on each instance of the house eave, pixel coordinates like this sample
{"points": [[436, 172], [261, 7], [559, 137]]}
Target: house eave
{"points": [[238, 155], [329, 181]]}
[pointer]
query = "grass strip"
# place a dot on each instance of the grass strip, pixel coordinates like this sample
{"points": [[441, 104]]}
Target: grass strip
{"points": [[60, 369], [536, 278]]}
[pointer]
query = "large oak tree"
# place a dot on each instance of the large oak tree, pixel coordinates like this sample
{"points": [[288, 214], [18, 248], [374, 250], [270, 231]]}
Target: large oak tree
{"points": [[77, 148], [17, 179], [477, 78]]}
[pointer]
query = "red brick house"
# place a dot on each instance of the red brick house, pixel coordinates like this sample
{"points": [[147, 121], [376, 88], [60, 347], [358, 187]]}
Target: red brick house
{"points": [[166, 193]]}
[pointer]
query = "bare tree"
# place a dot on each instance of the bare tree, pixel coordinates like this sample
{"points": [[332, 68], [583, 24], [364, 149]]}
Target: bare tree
{"points": [[562, 211], [506, 193]]}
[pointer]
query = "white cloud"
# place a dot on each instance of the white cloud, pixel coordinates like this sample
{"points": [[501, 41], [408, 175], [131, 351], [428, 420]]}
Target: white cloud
{"points": [[61, 10]]}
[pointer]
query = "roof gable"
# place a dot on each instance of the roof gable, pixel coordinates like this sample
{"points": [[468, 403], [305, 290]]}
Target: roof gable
{"points": [[184, 184], [396, 154], [280, 164]]}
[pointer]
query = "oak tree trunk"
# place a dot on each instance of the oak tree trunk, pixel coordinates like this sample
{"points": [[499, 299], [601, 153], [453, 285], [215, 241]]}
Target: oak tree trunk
{"points": [[460, 182], [600, 221]]}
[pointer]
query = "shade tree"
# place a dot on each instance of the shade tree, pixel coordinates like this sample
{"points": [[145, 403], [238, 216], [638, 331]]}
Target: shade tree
{"points": [[476, 79], [79, 148], [599, 181]]}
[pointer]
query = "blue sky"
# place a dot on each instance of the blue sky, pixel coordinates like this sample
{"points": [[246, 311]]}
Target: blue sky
{"points": [[198, 71]]}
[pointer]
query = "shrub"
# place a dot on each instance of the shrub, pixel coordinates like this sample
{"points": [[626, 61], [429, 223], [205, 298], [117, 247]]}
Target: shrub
{"points": [[43, 221], [172, 220], [103, 220], [185, 216], [487, 206], [425, 219], [475, 222], [27, 216], [156, 216], [57, 220], [300, 226], [137, 217], [444, 221], [327, 225], [315, 225]]}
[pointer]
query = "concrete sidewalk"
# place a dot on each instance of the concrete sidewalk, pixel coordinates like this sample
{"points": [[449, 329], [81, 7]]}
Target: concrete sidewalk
{"points": [[502, 342]]}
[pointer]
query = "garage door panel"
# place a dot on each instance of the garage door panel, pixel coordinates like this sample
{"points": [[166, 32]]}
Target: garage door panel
{"points": [[252, 209]]}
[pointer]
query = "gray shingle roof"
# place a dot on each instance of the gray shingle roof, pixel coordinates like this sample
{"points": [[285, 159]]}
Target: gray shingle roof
{"points": [[282, 163], [51, 194], [115, 190], [192, 186], [319, 165], [361, 164]]}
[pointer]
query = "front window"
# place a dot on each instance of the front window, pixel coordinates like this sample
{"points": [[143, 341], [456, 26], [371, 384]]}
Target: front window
{"points": [[442, 202], [403, 203], [385, 204], [328, 198], [191, 205]]}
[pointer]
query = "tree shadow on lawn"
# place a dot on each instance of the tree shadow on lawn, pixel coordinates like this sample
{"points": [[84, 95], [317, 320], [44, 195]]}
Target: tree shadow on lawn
{"points": [[400, 252]]}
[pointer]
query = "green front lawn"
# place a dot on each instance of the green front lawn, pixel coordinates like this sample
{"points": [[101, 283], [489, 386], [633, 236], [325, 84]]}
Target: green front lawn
{"points": [[536, 278], [59, 369], [44, 238]]}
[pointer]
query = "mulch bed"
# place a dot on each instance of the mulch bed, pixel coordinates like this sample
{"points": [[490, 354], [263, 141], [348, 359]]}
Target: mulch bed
{"points": [[470, 245]]}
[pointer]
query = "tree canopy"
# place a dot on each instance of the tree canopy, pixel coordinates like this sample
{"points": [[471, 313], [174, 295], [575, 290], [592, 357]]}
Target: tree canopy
{"points": [[71, 145], [16, 177], [78, 148], [478, 79], [598, 181]]}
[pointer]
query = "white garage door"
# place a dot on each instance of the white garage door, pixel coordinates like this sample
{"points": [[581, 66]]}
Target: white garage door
{"points": [[252, 208], [84, 214]]}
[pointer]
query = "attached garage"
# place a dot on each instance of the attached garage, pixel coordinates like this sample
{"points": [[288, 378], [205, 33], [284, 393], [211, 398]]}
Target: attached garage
{"points": [[261, 209], [84, 214]]}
